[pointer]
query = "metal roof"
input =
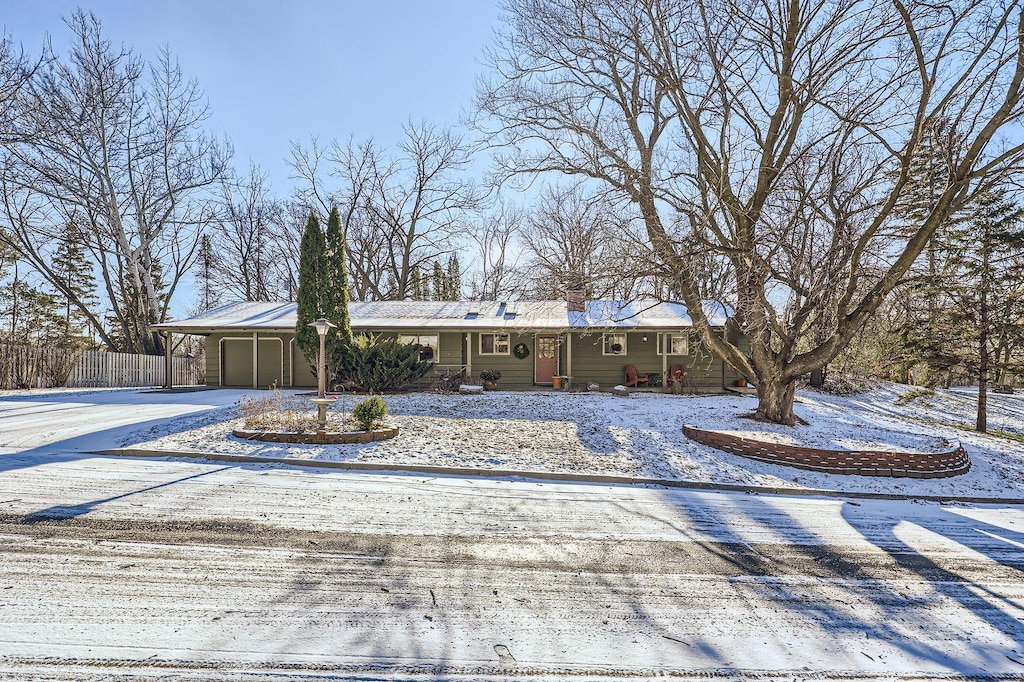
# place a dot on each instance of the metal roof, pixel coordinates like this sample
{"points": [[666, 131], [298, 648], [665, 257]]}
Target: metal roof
{"points": [[454, 315]]}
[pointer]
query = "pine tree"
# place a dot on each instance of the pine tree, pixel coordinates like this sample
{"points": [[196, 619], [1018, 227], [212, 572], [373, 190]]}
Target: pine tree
{"points": [[420, 288], [928, 328], [454, 277], [209, 292], [985, 283], [74, 271], [390, 288], [337, 290], [440, 283], [314, 281]]}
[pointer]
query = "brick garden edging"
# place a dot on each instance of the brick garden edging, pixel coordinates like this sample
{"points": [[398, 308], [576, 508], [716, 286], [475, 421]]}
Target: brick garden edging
{"points": [[318, 437], [862, 462]]}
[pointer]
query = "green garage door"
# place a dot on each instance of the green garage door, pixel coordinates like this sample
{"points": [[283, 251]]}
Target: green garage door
{"points": [[236, 362], [236, 358], [271, 364]]}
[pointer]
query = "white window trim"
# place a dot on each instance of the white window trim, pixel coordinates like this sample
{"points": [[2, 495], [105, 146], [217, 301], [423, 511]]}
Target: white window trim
{"points": [[665, 343], [480, 343], [436, 346], [604, 344]]}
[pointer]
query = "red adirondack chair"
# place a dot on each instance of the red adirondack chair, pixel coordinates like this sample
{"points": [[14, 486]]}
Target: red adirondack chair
{"points": [[632, 378]]}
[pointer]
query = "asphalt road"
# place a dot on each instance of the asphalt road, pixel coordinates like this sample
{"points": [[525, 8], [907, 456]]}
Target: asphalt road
{"points": [[213, 570]]}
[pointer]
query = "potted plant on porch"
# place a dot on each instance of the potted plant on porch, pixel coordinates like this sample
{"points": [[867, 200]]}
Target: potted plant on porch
{"points": [[490, 377]]}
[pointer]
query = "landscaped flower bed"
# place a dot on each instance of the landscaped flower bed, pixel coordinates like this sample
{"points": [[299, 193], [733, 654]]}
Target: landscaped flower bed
{"points": [[277, 418]]}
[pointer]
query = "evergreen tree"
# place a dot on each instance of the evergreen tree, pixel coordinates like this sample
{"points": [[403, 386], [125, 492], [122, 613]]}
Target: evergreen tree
{"points": [[454, 279], [440, 283], [391, 288], [420, 287], [336, 305], [928, 328], [984, 284], [29, 314], [73, 270], [209, 292], [313, 294]]}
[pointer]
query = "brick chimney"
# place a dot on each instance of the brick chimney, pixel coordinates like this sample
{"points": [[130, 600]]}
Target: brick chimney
{"points": [[576, 300]]}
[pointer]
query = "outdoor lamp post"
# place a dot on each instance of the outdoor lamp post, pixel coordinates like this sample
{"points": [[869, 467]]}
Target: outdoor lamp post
{"points": [[321, 402]]}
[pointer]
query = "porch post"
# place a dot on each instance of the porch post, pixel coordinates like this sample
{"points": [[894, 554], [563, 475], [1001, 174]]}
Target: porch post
{"points": [[664, 358], [255, 356], [469, 357], [168, 360], [568, 354]]}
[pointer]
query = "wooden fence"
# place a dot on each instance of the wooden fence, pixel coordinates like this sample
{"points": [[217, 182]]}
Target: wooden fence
{"points": [[24, 366]]}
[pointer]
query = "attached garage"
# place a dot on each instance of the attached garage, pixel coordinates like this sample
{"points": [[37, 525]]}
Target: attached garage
{"points": [[242, 357]]}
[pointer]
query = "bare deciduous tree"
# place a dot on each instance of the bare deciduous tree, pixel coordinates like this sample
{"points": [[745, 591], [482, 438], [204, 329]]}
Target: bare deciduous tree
{"points": [[115, 147], [250, 248], [575, 240], [495, 251], [15, 71], [770, 142], [400, 212]]}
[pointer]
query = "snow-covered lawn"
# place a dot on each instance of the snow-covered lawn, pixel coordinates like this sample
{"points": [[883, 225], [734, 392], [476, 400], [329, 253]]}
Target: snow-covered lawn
{"points": [[641, 436]]}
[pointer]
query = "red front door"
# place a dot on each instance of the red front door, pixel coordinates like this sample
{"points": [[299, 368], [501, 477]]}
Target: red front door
{"points": [[545, 363]]}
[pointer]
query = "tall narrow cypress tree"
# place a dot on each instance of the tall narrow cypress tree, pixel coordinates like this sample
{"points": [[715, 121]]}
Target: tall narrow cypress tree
{"points": [[337, 304], [314, 282]]}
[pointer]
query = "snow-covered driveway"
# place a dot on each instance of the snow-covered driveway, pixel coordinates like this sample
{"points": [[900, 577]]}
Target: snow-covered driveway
{"points": [[83, 420]]}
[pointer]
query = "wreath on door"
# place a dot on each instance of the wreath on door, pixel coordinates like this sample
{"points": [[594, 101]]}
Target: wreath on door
{"points": [[521, 351]]}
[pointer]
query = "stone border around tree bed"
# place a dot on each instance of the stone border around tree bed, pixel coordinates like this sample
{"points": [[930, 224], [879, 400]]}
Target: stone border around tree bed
{"points": [[859, 462], [318, 437]]}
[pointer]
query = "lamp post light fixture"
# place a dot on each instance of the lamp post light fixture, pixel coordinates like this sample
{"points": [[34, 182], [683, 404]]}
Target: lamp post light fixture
{"points": [[321, 401]]}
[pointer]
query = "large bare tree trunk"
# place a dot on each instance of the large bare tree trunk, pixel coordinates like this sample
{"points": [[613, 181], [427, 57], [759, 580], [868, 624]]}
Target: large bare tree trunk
{"points": [[775, 399]]}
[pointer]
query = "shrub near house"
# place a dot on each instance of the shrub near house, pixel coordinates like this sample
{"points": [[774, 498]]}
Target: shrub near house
{"points": [[376, 364]]}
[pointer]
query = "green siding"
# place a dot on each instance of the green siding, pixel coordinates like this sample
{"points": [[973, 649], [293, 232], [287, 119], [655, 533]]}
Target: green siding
{"points": [[704, 372], [514, 372], [212, 352], [452, 351], [590, 365]]}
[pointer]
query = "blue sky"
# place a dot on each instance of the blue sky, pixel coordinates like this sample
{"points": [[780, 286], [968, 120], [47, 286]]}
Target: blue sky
{"points": [[280, 71]]}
